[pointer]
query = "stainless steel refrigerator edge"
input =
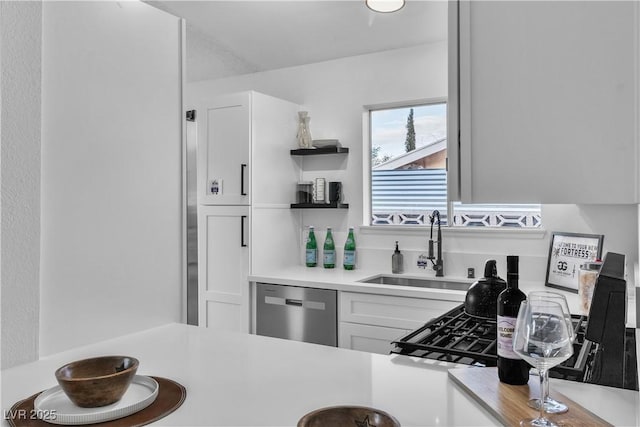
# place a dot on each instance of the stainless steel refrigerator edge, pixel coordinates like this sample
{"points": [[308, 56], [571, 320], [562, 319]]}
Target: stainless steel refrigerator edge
{"points": [[192, 217]]}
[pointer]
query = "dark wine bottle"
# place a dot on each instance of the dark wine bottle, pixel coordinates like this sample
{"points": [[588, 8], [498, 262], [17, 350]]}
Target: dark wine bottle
{"points": [[511, 368]]}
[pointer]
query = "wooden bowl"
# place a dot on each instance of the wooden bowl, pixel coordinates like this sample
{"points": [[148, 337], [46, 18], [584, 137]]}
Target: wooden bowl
{"points": [[99, 381], [348, 416]]}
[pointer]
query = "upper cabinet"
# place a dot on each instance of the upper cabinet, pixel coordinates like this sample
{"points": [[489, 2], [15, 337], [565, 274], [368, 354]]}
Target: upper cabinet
{"points": [[224, 127], [547, 101], [241, 140]]}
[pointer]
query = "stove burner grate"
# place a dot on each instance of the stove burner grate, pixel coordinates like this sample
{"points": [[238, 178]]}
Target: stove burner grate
{"points": [[453, 337], [457, 337]]}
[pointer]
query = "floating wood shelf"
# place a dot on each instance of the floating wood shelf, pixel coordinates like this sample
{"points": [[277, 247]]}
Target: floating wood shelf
{"points": [[316, 151]]}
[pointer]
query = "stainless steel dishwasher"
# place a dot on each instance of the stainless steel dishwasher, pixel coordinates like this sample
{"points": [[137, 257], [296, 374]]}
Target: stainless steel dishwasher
{"points": [[295, 313]]}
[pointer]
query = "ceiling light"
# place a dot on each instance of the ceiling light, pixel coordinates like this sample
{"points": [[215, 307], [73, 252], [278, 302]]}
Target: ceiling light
{"points": [[385, 6]]}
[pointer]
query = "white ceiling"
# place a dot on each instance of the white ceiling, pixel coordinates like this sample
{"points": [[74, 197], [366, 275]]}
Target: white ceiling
{"points": [[226, 38]]}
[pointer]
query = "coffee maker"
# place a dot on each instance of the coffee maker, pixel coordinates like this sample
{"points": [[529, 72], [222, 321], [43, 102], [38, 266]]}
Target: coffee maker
{"points": [[615, 359]]}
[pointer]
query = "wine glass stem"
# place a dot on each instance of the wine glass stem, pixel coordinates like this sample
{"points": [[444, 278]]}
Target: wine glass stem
{"points": [[544, 390], [546, 386]]}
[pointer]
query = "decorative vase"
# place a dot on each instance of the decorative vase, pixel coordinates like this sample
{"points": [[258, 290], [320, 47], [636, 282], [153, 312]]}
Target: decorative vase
{"points": [[304, 135]]}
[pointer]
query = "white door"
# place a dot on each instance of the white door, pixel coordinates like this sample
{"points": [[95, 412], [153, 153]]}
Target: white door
{"points": [[224, 150], [223, 266]]}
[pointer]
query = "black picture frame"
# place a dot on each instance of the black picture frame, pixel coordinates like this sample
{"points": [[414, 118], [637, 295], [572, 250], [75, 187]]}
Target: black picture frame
{"points": [[567, 251]]}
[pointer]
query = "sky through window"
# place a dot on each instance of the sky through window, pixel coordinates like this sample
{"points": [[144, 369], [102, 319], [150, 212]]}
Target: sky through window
{"points": [[389, 127]]}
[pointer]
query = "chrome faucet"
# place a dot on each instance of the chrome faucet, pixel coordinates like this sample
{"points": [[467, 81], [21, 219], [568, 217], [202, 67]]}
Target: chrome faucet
{"points": [[438, 265]]}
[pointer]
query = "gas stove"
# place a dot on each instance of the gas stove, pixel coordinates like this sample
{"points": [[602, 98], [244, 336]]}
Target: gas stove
{"points": [[604, 351], [457, 337]]}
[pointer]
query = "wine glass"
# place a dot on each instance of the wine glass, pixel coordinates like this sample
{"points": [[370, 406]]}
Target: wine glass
{"points": [[542, 338], [552, 406]]}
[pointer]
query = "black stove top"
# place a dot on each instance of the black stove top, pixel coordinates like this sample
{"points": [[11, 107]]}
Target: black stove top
{"points": [[460, 338]]}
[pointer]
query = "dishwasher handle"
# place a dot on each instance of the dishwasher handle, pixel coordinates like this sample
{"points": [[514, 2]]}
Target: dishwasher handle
{"points": [[314, 305]]}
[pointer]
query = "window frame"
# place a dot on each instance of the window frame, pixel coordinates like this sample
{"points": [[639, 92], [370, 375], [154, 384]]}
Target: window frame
{"points": [[367, 172], [367, 181]]}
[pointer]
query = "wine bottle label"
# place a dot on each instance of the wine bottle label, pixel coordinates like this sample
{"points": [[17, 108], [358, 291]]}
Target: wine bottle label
{"points": [[329, 257], [311, 256], [349, 257], [506, 326]]}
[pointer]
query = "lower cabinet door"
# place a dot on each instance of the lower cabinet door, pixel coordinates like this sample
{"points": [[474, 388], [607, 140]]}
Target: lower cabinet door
{"points": [[373, 339], [391, 311], [224, 315], [223, 267]]}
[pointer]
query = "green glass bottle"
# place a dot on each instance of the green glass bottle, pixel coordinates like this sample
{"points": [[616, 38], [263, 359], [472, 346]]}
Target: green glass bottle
{"points": [[349, 259], [311, 254], [329, 251]]}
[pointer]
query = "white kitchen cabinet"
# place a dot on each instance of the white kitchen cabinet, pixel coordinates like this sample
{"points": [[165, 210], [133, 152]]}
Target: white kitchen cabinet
{"points": [[223, 265], [368, 321], [224, 150], [243, 139], [372, 339], [548, 101]]}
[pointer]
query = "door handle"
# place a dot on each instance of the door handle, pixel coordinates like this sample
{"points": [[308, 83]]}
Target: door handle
{"points": [[290, 301], [242, 243], [243, 166]]}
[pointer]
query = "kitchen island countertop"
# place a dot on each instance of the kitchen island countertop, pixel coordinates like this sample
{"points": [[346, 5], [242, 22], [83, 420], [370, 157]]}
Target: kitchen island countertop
{"points": [[247, 380]]}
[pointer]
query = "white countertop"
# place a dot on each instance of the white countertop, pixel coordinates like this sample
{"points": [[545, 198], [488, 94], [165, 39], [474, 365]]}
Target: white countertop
{"points": [[349, 281], [247, 380], [343, 280]]}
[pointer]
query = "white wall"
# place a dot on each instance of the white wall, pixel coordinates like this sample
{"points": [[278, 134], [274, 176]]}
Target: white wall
{"points": [[111, 171], [20, 42], [465, 248], [335, 93]]}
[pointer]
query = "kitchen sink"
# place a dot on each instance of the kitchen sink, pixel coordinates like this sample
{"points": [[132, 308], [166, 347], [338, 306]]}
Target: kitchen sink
{"points": [[384, 279]]}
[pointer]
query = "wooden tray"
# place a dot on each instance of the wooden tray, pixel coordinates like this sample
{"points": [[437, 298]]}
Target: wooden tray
{"points": [[508, 403], [170, 397]]}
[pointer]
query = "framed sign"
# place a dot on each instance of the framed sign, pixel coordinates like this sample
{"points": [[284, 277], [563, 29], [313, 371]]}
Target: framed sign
{"points": [[566, 253]]}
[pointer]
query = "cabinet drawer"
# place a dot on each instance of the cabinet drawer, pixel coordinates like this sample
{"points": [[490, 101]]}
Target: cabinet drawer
{"points": [[391, 311], [373, 339]]}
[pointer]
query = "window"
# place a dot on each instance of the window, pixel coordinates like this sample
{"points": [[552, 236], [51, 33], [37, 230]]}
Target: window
{"points": [[409, 177]]}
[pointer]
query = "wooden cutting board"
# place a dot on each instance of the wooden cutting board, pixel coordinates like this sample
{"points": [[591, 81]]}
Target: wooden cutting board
{"points": [[508, 403]]}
